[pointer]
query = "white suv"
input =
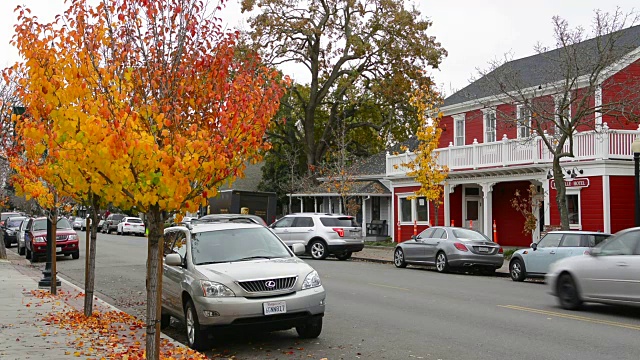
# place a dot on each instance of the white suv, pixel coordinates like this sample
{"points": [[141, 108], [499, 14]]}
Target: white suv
{"points": [[321, 234]]}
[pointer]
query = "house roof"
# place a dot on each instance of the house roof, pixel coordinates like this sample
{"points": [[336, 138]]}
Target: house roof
{"points": [[250, 181], [376, 164], [358, 187], [544, 68]]}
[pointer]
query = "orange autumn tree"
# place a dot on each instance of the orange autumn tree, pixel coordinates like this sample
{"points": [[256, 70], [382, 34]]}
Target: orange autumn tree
{"points": [[424, 167], [157, 101]]}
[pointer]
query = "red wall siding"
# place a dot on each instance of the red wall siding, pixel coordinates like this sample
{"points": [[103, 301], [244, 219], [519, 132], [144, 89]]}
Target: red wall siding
{"points": [[509, 222], [446, 137], [406, 230], [622, 85], [542, 103], [455, 208], [506, 121], [473, 127], [622, 204], [591, 209], [589, 121]]}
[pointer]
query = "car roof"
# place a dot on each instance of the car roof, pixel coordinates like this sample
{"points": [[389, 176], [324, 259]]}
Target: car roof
{"points": [[319, 214], [582, 232], [207, 227]]}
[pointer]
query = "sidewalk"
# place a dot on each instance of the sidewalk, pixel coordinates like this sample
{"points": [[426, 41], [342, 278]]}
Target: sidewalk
{"points": [[36, 325], [384, 255]]}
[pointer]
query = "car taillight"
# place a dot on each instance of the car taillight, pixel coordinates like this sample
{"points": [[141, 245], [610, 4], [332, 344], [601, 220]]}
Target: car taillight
{"points": [[340, 231], [501, 250], [126, 224], [460, 246], [586, 252]]}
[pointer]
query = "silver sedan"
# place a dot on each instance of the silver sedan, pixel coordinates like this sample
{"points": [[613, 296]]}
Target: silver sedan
{"points": [[448, 247]]}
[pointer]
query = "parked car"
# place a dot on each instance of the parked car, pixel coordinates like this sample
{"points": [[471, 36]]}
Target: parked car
{"points": [[131, 225], [111, 223], [78, 223], [223, 275], [36, 239], [610, 275], [240, 218], [20, 235], [5, 215], [10, 228], [555, 245], [450, 247], [321, 234]]}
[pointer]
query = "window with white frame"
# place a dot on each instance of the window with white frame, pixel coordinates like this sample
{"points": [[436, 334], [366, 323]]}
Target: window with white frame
{"points": [[490, 126], [410, 210], [573, 205], [524, 122], [458, 130]]}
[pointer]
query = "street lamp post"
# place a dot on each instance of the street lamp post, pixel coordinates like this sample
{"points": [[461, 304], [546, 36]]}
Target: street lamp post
{"points": [[635, 148]]}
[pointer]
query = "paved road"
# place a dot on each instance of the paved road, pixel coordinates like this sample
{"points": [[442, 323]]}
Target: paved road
{"points": [[378, 312]]}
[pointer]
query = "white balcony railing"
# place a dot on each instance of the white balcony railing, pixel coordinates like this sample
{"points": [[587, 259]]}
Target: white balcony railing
{"points": [[589, 145]]}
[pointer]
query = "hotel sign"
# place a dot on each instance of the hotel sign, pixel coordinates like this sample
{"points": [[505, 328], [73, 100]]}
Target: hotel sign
{"points": [[573, 183]]}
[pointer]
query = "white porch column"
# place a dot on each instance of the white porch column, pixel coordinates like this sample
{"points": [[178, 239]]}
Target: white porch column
{"points": [[340, 205], [448, 189], [392, 215], [301, 205], [315, 204], [606, 203], [364, 216], [487, 219], [547, 202]]}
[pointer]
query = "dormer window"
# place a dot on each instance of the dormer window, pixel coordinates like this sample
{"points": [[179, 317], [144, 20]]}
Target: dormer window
{"points": [[489, 125]]}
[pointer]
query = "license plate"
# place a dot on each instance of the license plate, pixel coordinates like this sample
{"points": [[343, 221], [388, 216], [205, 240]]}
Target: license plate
{"points": [[58, 249], [483, 249], [274, 307]]}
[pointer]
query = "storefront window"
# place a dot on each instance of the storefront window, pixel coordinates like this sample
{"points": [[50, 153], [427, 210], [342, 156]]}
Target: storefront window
{"points": [[422, 209], [574, 209], [405, 209]]}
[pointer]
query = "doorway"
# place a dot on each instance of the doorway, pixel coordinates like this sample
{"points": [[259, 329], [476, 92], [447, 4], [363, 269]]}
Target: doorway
{"points": [[472, 208]]}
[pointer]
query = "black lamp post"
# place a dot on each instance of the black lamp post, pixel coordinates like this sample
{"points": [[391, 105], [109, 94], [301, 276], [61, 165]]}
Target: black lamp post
{"points": [[635, 148], [46, 273]]}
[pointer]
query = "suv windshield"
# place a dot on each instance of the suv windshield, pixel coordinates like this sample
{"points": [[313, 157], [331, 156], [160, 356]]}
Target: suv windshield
{"points": [[338, 221], [236, 245], [117, 217], [14, 222], [465, 234], [41, 224]]}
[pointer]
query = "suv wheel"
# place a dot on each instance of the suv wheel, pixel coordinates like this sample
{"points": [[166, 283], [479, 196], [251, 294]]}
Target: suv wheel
{"points": [[517, 270], [196, 336], [318, 249], [311, 329], [344, 256]]}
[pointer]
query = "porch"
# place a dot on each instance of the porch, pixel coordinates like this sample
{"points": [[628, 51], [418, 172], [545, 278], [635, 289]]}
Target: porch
{"points": [[589, 145]]}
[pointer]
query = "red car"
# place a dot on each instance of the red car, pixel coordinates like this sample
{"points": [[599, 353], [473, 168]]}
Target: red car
{"points": [[35, 239]]}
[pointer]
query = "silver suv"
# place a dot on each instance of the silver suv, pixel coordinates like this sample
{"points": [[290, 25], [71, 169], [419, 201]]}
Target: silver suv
{"points": [[321, 234], [226, 275]]}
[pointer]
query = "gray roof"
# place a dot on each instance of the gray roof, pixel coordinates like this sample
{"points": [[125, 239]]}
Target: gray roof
{"points": [[376, 164], [250, 181], [546, 67], [358, 187]]}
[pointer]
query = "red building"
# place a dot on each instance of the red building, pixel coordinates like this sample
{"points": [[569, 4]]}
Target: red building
{"points": [[491, 157]]}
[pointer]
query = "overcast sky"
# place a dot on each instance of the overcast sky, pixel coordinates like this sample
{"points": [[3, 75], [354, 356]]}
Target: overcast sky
{"points": [[473, 31]]}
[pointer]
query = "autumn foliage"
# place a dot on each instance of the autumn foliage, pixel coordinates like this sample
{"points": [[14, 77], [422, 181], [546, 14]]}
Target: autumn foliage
{"points": [[148, 103]]}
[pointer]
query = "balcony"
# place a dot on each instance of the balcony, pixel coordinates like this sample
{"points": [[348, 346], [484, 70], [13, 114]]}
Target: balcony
{"points": [[588, 145]]}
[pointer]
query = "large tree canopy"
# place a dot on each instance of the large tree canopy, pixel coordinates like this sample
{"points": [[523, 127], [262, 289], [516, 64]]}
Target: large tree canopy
{"points": [[363, 59]]}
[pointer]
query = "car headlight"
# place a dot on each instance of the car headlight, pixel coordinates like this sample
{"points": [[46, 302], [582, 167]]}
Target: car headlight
{"points": [[73, 237], [214, 289], [39, 239], [312, 280], [10, 232]]}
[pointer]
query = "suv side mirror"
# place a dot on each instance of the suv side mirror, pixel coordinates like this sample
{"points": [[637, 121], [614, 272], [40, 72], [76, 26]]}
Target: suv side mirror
{"points": [[534, 246], [173, 260], [298, 249], [595, 251]]}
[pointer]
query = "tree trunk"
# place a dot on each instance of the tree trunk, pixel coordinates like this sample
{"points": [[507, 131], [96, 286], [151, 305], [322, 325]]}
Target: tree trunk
{"points": [[154, 281], [54, 256], [89, 283], [561, 194], [436, 206]]}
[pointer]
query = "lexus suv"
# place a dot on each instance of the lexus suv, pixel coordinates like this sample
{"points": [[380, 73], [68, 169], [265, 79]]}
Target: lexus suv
{"points": [[237, 275], [321, 234]]}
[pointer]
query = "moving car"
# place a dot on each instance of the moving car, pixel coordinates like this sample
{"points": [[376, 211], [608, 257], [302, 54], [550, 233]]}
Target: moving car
{"points": [[131, 225], [555, 245], [10, 228], [78, 223], [610, 275], [111, 223], [450, 247], [36, 239], [226, 275], [321, 234]]}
